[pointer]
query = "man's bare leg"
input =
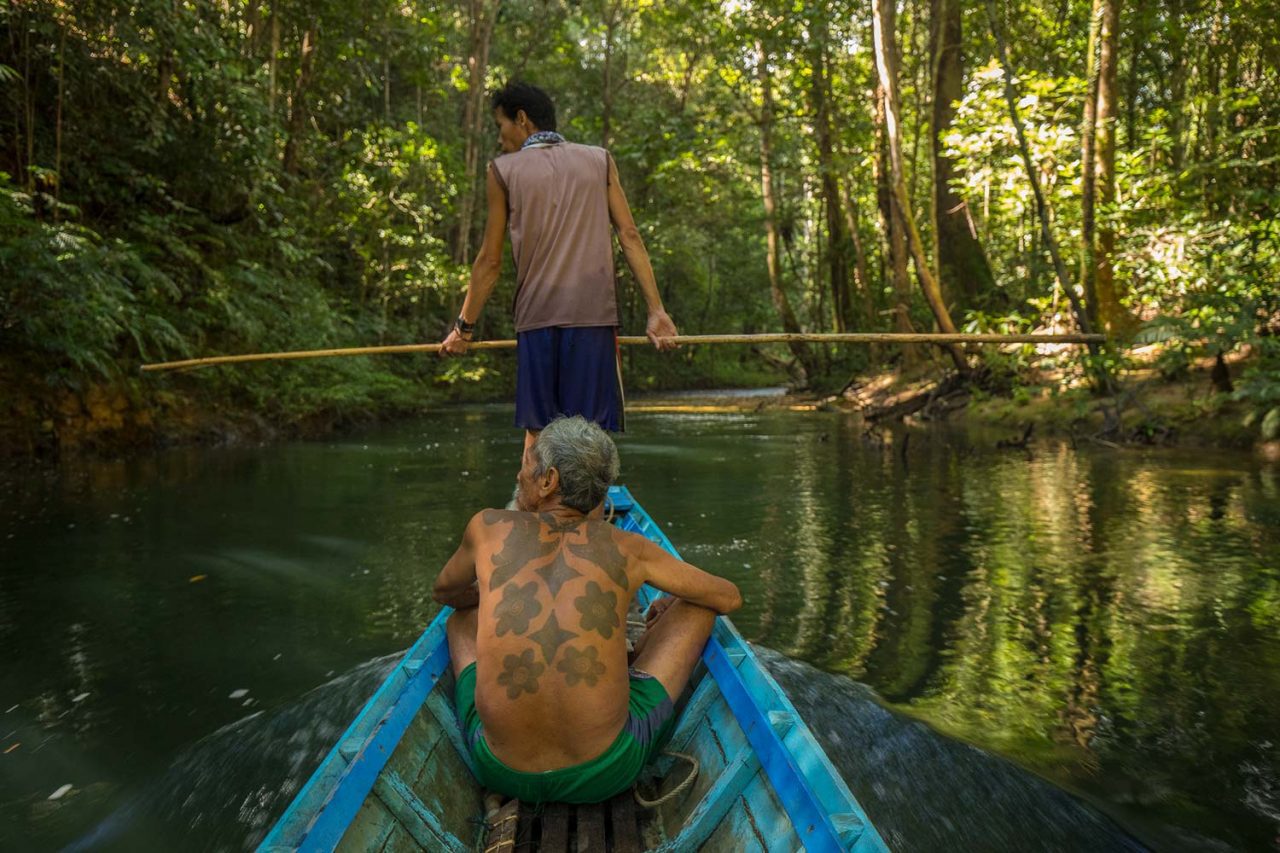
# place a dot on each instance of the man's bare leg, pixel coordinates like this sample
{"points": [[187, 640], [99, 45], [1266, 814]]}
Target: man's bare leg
{"points": [[461, 629], [672, 645]]}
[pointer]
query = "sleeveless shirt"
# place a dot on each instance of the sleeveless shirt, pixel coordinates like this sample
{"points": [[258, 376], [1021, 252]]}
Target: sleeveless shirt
{"points": [[561, 237]]}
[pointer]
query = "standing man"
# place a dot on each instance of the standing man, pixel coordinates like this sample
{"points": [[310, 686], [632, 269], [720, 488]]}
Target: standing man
{"points": [[559, 199]]}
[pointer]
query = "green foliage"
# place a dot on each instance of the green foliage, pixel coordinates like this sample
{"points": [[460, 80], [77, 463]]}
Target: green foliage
{"points": [[74, 303], [204, 178]]}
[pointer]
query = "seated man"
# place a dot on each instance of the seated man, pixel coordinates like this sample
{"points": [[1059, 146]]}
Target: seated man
{"points": [[539, 648]]}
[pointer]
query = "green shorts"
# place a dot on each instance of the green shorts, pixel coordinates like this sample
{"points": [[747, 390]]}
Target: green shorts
{"points": [[648, 726]]}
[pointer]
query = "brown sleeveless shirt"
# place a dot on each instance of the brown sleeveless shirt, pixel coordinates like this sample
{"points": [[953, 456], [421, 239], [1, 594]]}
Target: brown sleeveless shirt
{"points": [[561, 238]]}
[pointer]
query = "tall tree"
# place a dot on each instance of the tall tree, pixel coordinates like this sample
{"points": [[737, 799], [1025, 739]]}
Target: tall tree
{"points": [[836, 254], [886, 66], [962, 266], [481, 17], [1102, 377], [298, 99], [861, 279], [616, 16], [1088, 165], [773, 257], [895, 245], [1111, 314]]}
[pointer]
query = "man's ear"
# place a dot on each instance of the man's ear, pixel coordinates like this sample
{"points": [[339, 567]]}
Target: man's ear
{"points": [[550, 482], [522, 118]]}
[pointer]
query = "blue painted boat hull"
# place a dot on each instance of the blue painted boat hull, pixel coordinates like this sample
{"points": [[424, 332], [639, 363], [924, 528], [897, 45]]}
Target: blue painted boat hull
{"points": [[399, 778]]}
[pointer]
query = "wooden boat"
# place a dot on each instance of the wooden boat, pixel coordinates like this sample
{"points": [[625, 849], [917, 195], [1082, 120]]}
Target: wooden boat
{"points": [[399, 777]]}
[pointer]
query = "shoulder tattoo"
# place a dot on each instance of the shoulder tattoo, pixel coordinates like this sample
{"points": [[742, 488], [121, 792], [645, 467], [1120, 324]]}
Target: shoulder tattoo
{"points": [[559, 526], [522, 546], [601, 550]]}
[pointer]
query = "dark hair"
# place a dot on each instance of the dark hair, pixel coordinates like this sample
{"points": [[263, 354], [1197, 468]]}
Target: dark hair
{"points": [[516, 96]]}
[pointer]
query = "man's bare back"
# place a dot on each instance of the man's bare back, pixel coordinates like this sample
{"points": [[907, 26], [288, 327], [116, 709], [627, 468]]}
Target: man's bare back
{"points": [[551, 645], [538, 641]]}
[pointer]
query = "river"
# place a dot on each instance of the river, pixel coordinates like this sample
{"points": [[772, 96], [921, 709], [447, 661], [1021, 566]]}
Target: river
{"points": [[1067, 648]]}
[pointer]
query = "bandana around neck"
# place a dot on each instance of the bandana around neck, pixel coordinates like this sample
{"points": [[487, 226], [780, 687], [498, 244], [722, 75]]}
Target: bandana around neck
{"points": [[542, 137]]}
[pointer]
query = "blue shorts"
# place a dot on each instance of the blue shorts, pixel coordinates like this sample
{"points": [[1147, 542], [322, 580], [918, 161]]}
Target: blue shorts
{"points": [[568, 371]]}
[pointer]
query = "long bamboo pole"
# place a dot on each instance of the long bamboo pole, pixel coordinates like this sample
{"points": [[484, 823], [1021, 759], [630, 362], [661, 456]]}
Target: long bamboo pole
{"points": [[769, 338]]}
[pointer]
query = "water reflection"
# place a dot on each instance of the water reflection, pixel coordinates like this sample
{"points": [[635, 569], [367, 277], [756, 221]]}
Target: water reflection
{"points": [[1106, 619], [1109, 620]]}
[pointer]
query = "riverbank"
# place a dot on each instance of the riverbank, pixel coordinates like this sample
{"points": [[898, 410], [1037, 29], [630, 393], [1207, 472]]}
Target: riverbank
{"points": [[1148, 409], [47, 417], [126, 416]]}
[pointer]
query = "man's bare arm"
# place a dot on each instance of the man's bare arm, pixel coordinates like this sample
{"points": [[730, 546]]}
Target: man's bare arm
{"points": [[687, 581], [660, 325], [484, 272], [456, 584]]}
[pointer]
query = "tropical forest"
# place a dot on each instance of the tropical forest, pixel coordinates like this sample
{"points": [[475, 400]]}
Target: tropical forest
{"points": [[1037, 556]]}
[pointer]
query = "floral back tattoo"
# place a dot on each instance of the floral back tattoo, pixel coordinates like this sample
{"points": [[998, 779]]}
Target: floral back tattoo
{"points": [[522, 603]]}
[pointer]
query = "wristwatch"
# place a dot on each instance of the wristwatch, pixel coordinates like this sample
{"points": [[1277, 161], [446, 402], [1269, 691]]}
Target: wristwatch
{"points": [[463, 327]]}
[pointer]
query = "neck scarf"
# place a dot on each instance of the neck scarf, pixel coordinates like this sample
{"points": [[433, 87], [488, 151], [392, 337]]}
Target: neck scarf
{"points": [[542, 137]]}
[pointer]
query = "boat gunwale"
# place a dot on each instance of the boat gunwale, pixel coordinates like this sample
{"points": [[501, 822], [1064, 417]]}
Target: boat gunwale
{"points": [[335, 768], [794, 788]]}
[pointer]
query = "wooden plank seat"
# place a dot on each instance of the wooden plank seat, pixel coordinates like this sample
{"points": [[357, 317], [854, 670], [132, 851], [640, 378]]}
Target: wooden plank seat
{"points": [[563, 828]]}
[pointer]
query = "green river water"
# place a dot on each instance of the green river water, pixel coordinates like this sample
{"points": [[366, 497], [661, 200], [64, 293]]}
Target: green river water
{"points": [[1063, 649]]}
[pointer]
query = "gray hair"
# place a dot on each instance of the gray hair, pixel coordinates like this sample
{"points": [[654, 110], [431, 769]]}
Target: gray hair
{"points": [[585, 456]]}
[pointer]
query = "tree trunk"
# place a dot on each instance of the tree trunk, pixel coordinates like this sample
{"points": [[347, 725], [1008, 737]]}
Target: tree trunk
{"points": [[606, 99], [773, 259], [483, 15], [57, 126], [16, 136], [29, 110], [895, 247], [1042, 209], [962, 265], [1088, 138], [886, 66], [298, 100], [1138, 35], [861, 279], [1177, 76], [252, 27], [837, 260], [272, 61], [1111, 314], [1212, 108], [386, 75]]}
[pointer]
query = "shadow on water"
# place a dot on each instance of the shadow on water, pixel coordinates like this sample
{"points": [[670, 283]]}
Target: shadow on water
{"points": [[926, 792], [922, 790], [226, 791]]}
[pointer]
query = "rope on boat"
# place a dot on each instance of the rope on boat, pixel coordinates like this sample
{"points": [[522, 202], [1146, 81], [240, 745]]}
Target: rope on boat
{"points": [[678, 789]]}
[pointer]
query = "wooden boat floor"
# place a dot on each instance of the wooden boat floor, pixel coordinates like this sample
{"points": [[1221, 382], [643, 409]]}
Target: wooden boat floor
{"points": [[563, 828]]}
